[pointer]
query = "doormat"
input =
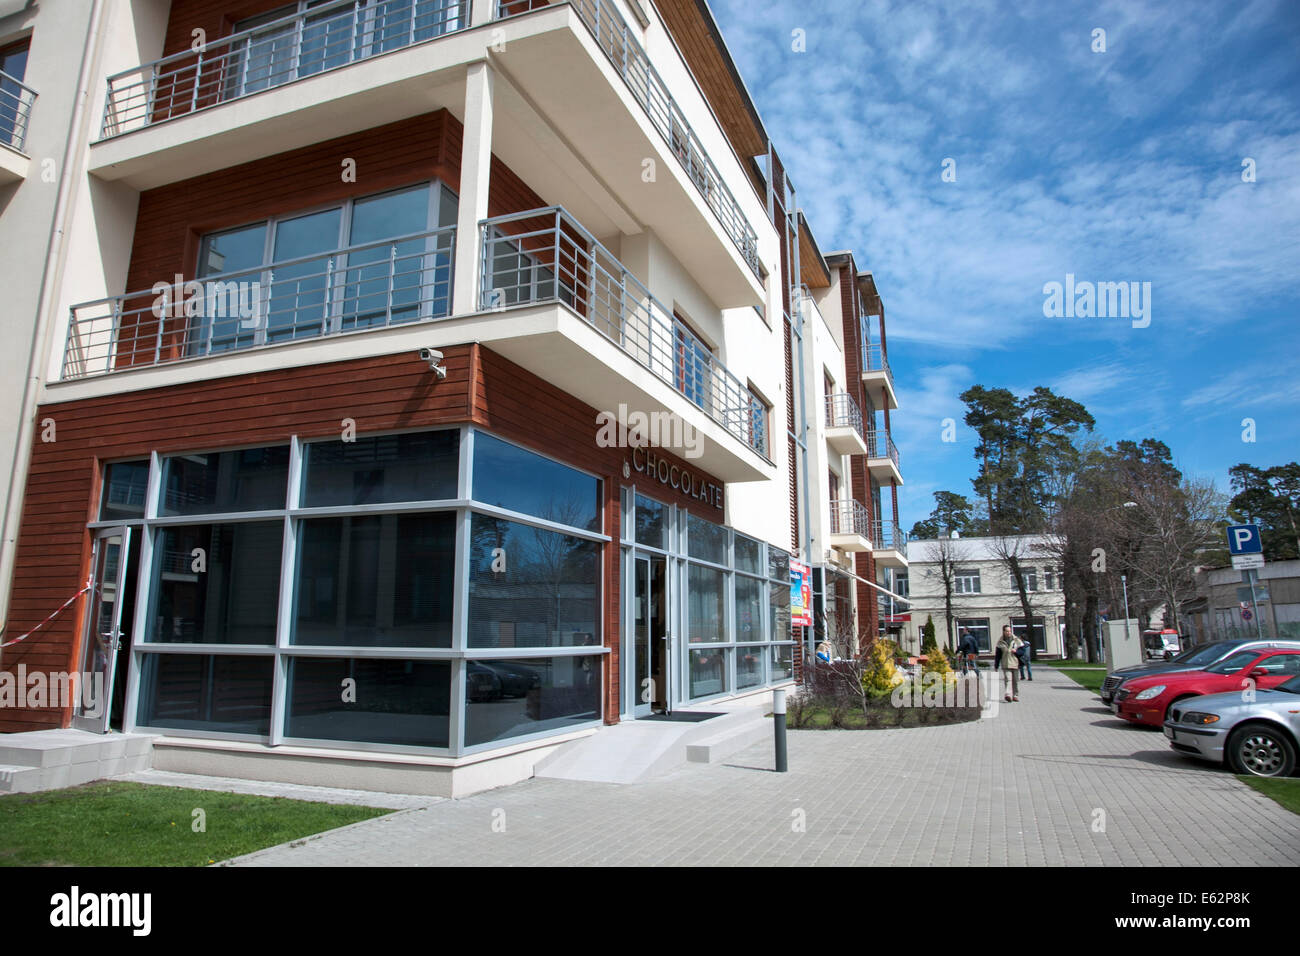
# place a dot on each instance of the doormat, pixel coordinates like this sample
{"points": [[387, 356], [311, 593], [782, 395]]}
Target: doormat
{"points": [[687, 716]]}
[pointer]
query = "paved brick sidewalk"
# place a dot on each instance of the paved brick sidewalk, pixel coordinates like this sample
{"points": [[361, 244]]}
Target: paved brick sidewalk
{"points": [[1021, 788]]}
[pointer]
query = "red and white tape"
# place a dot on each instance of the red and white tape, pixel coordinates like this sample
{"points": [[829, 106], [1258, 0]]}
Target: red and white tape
{"points": [[89, 586]]}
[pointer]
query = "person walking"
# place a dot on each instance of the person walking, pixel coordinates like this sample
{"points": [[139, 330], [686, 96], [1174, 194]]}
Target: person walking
{"points": [[1009, 663], [1026, 669], [967, 649]]}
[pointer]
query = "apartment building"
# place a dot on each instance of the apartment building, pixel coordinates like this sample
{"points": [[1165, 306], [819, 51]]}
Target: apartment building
{"points": [[976, 573], [435, 379]]}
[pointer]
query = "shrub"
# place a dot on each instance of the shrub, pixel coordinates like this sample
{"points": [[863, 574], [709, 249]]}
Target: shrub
{"points": [[879, 675], [928, 641]]}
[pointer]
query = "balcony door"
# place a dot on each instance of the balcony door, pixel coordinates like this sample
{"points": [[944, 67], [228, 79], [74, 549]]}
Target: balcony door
{"points": [[13, 111]]}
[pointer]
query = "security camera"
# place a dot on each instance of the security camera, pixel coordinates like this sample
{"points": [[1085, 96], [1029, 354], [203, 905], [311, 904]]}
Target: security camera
{"points": [[434, 358]]}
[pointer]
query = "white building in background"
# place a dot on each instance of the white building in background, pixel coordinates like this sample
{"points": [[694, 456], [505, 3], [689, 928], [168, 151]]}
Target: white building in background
{"points": [[984, 595]]}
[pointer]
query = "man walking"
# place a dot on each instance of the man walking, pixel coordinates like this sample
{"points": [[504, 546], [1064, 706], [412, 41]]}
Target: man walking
{"points": [[1009, 662], [967, 650], [1022, 655]]}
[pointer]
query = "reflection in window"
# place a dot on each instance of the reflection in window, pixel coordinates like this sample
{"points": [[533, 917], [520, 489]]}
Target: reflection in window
{"points": [[376, 581], [126, 486], [206, 692], [708, 672], [216, 584], [749, 609], [253, 479], [748, 555], [382, 468], [705, 592], [396, 701], [706, 540], [509, 698], [651, 523], [543, 592], [519, 480], [749, 666]]}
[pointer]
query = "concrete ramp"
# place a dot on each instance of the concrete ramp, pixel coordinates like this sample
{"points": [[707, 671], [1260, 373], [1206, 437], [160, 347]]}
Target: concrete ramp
{"points": [[638, 750], [51, 759]]}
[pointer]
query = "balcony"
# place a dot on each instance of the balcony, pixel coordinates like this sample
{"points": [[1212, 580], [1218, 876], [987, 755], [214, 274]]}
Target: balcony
{"points": [[876, 374], [358, 288], [621, 333], [850, 525], [16, 101], [844, 425], [327, 37], [882, 457], [630, 61], [888, 545]]}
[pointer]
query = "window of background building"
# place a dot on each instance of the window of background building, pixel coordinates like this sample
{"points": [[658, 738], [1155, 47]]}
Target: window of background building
{"points": [[979, 629], [1038, 633], [966, 581]]}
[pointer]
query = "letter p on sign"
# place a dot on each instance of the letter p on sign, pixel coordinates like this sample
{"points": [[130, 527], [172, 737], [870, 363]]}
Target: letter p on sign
{"points": [[1244, 539]]}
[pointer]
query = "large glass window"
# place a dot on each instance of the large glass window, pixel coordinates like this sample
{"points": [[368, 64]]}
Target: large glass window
{"points": [[382, 701], [748, 555], [979, 629], [529, 587], [749, 666], [707, 671], [651, 522], [126, 485], [509, 698], [216, 584], [705, 590], [516, 479], [206, 692], [384, 468], [253, 479], [376, 581], [706, 540], [749, 609]]}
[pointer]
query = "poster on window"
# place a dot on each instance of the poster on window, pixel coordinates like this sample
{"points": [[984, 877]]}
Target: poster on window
{"points": [[800, 595]]}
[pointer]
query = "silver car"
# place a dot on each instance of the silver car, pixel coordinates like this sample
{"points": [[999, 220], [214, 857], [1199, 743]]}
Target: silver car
{"points": [[1258, 736]]}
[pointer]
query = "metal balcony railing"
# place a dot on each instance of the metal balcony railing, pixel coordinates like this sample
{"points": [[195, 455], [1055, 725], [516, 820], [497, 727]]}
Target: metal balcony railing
{"points": [[545, 255], [325, 37], [843, 412], [849, 516], [887, 536], [875, 361], [377, 284], [881, 445], [16, 101], [613, 35]]}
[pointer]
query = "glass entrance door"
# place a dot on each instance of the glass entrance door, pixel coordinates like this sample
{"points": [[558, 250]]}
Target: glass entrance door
{"points": [[650, 635], [103, 637]]}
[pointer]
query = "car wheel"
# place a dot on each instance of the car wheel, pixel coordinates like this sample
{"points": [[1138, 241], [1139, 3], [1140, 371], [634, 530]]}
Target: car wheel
{"points": [[1261, 752]]}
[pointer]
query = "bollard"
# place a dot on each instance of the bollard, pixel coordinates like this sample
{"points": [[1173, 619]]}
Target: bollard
{"points": [[778, 725]]}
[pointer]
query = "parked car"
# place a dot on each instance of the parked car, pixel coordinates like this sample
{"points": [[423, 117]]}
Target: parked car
{"points": [[516, 679], [1162, 645], [1194, 658], [1144, 700], [1258, 735], [481, 683]]}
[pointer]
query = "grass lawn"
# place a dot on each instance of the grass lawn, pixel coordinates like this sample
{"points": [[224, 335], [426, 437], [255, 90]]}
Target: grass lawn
{"points": [[131, 824], [1285, 791], [1085, 676]]}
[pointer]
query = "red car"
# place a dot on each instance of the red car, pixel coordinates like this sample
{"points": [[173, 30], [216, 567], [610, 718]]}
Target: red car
{"points": [[1143, 700]]}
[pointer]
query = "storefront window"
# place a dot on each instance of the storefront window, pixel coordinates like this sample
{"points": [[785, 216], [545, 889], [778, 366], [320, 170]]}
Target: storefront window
{"points": [[708, 671], [216, 584], [530, 587], [651, 523], [376, 581], [126, 485], [382, 468], [705, 589], [706, 540], [373, 700], [749, 609], [516, 479], [510, 698], [749, 666], [253, 479], [206, 692], [748, 555]]}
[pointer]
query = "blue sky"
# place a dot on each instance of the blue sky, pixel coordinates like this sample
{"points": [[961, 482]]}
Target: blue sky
{"points": [[1123, 165]]}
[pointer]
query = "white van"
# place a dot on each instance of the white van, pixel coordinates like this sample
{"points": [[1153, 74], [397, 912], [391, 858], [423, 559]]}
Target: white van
{"points": [[1161, 645]]}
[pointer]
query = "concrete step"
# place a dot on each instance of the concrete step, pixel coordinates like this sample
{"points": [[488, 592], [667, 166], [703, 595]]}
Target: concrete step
{"points": [[51, 759], [734, 739], [638, 750]]}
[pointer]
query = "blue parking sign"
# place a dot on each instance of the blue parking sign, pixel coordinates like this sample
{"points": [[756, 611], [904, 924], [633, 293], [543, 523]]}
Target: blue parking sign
{"points": [[1244, 539]]}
